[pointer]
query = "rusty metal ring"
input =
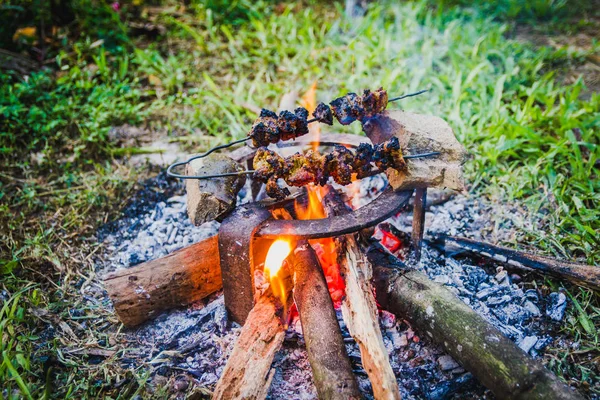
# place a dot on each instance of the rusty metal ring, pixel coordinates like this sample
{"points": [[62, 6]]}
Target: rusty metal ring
{"points": [[387, 204]]}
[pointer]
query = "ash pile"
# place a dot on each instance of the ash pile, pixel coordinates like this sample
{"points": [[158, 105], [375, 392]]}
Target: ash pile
{"points": [[189, 347]]}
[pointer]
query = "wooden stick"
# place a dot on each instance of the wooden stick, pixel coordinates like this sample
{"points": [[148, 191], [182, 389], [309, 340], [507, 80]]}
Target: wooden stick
{"points": [[332, 371], [184, 276], [478, 346], [247, 374], [359, 309], [580, 274], [418, 223]]}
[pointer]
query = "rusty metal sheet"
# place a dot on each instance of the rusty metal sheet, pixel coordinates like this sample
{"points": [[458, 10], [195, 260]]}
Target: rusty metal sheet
{"points": [[237, 262]]}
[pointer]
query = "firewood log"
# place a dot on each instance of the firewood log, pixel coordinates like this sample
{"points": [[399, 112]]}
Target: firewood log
{"points": [[332, 371], [247, 374], [359, 308], [478, 346], [184, 276]]}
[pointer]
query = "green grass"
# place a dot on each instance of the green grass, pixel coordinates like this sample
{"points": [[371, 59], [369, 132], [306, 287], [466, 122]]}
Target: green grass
{"points": [[531, 141]]}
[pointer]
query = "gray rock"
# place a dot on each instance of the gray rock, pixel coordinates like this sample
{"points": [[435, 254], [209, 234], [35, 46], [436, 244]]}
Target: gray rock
{"points": [[532, 308], [527, 343], [496, 301], [502, 278], [532, 294], [447, 363], [557, 304], [485, 293]]}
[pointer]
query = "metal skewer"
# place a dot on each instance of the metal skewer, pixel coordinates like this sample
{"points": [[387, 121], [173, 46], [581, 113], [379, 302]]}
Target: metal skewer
{"points": [[224, 146], [251, 171]]}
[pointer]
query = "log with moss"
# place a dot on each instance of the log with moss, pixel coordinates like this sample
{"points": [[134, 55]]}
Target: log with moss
{"points": [[478, 346]]}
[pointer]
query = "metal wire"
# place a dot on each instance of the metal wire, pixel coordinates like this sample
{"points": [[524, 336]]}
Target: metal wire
{"points": [[224, 146], [404, 96], [251, 171], [189, 160]]}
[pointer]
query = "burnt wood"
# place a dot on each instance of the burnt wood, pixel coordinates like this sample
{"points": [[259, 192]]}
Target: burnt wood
{"points": [[359, 307], [332, 371], [184, 276], [418, 223], [498, 363], [248, 373], [580, 274]]}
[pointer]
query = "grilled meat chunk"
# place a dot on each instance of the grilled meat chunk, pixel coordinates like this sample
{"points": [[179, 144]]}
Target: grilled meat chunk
{"points": [[347, 109], [267, 164], [362, 161], [301, 169], [374, 102], [265, 129], [338, 165], [291, 125], [389, 155], [274, 190], [323, 114]]}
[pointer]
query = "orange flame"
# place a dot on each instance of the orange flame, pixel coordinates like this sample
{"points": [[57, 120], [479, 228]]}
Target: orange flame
{"points": [[325, 248], [309, 101], [276, 255]]}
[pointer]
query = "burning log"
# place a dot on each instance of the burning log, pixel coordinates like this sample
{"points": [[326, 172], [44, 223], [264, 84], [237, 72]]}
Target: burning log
{"points": [[478, 346], [187, 275], [580, 274], [247, 374], [332, 371], [359, 308]]}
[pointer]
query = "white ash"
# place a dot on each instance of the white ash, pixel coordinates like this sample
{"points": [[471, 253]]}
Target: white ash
{"points": [[194, 343], [163, 230]]}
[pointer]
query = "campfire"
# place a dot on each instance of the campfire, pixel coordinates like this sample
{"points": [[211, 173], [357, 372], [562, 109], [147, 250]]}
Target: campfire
{"points": [[307, 253]]}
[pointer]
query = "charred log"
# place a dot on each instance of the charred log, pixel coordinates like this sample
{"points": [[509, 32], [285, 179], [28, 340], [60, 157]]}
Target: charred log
{"points": [[359, 308], [580, 274], [248, 374]]}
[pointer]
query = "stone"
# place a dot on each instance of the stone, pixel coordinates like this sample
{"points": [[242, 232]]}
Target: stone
{"points": [[527, 343], [418, 134], [532, 308], [447, 363], [502, 278], [496, 301], [485, 293], [556, 306], [212, 199], [532, 294]]}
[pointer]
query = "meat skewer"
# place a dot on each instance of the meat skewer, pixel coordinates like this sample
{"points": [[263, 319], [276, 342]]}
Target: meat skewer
{"points": [[342, 165], [271, 128]]}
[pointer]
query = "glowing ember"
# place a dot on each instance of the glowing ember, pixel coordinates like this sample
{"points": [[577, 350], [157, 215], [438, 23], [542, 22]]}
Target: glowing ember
{"points": [[325, 248]]}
